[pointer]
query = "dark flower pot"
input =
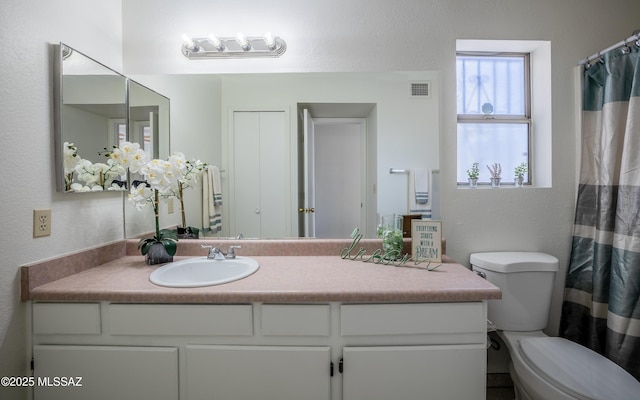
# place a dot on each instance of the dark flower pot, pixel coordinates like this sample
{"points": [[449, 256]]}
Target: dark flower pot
{"points": [[187, 233], [157, 255]]}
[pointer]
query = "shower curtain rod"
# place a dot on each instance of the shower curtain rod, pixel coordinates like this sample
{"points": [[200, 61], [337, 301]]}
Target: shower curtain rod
{"points": [[635, 37]]}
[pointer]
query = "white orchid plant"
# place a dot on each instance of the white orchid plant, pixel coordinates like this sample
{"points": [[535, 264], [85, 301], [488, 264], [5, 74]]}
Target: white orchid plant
{"points": [[82, 175], [163, 179]]}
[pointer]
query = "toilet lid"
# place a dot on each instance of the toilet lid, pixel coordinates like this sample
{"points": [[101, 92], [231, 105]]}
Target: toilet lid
{"points": [[577, 370]]}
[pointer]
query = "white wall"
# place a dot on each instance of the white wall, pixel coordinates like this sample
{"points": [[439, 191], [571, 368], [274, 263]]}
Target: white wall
{"points": [[384, 35], [27, 29]]}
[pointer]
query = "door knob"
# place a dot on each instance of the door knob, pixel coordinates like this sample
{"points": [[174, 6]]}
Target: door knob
{"points": [[257, 211]]}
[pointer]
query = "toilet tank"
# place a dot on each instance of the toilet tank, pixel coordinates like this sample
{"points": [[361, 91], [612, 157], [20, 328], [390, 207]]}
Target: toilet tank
{"points": [[526, 282]]}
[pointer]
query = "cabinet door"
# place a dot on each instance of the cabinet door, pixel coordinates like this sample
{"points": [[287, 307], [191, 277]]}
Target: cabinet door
{"points": [[257, 372], [106, 372], [443, 372]]}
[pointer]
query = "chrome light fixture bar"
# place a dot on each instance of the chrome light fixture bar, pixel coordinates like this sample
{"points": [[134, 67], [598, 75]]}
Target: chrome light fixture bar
{"points": [[239, 46]]}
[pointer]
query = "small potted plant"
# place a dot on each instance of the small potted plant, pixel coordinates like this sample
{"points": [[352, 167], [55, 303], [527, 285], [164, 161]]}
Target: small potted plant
{"points": [[495, 170], [473, 175], [519, 172]]}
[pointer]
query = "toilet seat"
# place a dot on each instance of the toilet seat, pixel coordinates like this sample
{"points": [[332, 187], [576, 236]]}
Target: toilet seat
{"points": [[577, 370]]}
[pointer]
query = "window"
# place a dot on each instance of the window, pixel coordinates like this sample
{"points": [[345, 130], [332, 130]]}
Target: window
{"points": [[494, 113]]}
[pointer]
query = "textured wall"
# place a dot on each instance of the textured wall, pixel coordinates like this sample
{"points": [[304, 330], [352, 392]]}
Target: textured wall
{"points": [[27, 28]]}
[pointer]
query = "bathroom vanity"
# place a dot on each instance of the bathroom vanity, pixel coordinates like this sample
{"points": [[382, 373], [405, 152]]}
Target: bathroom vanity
{"points": [[301, 327]]}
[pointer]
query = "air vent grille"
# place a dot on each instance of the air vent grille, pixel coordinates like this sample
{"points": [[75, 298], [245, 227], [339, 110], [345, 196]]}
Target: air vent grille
{"points": [[419, 89]]}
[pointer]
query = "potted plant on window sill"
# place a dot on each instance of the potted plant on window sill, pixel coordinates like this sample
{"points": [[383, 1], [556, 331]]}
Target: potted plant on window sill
{"points": [[495, 170], [473, 175], [519, 172]]}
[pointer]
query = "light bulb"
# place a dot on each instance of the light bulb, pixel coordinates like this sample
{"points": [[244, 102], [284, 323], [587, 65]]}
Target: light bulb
{"points": [[188, 42], [213, 39], [242, 41], [270, 41]]}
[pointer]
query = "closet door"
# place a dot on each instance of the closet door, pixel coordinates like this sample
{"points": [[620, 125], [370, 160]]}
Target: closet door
{"points": [[260, 157]]}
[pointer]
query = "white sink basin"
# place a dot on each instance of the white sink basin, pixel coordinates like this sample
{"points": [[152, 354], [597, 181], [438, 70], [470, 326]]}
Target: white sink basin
{"points": [[201, 271]]}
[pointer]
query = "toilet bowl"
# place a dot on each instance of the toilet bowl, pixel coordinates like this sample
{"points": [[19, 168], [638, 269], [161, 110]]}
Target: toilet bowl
{"points": [[553, 368], [543, 367]]}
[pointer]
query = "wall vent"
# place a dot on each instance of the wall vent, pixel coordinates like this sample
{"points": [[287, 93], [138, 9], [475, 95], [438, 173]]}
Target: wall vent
{"points": [[420, 89]]}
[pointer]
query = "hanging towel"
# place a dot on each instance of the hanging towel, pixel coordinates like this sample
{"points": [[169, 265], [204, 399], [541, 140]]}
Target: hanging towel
{"points": [[211, 200], [419, 195]]}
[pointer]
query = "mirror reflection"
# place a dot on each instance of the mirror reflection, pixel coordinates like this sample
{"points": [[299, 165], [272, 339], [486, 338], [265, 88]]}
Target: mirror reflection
{"points": [[97, 109], [251, 127], [148, 125], [91, 112], [148, 120]]}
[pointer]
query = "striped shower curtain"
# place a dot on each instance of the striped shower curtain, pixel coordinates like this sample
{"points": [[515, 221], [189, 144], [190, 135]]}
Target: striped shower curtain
{"points": [[601, 308]]}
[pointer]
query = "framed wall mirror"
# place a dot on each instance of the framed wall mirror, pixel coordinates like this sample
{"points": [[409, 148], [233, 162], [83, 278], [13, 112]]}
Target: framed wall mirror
{"points": [[221, 118], [148, 125], [90, 105]]}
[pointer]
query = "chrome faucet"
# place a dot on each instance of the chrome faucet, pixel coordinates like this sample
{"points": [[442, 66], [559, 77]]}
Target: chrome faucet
{"points": [[214, 252], [217, 254], [231, 253]]}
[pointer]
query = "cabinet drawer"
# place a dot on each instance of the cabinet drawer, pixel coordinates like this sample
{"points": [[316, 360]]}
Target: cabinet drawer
{"points": [[66, 319], [189, 320], [296, 320], [412, 319]]}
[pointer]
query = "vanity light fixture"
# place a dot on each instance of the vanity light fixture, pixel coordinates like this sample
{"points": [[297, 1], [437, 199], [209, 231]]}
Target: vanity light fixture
{"points": [[239, 46]]}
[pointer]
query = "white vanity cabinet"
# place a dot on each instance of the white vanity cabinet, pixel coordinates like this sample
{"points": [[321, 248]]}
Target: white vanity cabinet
{"points": [[258, 372], [414, 372], [438, 351], [105, 372], [268, 351]]}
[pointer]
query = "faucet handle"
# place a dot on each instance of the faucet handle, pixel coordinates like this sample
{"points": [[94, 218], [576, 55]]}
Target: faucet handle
{"points": [[213, 253], [231, 253]]}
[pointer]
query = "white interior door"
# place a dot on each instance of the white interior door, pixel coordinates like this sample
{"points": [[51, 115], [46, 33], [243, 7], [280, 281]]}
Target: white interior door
{"points": [[274, 176], [246, 167], [260, 174], [308, 211], [339, 176]]}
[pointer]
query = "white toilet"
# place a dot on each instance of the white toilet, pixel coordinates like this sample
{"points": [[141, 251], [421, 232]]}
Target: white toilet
{"points": [[543, 367]]}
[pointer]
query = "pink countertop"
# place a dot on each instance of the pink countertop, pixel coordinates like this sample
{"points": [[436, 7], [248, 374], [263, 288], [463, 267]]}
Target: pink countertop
{"points": [[280, 279]]}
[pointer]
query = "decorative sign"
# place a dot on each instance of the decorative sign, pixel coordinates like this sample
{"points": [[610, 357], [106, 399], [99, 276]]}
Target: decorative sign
{"points": [[426, 240], [392, 257]]}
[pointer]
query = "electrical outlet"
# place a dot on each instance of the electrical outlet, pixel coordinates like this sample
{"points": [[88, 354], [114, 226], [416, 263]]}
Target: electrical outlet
{"points": [[41, 223], [170, 208]]}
